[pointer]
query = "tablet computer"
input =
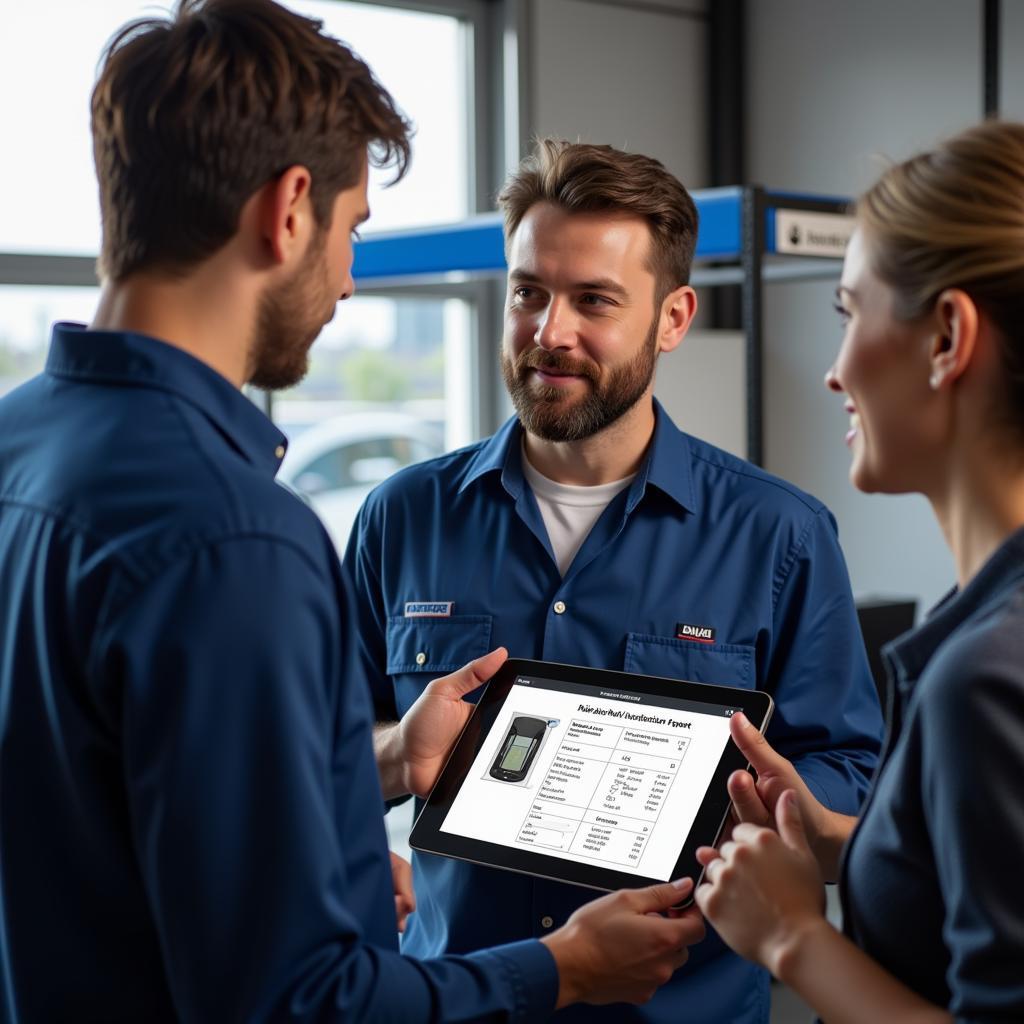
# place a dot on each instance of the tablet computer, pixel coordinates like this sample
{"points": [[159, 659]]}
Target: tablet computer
{"points": [[598, 778]]}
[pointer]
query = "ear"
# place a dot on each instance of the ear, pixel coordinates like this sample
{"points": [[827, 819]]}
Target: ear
{"points": [[677, 312], [953, 347], [286, 216]]}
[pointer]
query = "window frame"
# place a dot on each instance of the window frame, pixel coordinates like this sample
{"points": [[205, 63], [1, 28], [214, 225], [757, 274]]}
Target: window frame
{"points": [[492, 52]]}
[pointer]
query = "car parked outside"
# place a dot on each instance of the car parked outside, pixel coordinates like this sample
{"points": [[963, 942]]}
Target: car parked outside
{"points": [[335, 464]]}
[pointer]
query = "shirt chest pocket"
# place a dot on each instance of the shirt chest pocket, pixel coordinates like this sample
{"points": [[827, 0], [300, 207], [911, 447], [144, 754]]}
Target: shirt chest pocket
{"points": [[719, 664], [420, 649], [438, 645]]}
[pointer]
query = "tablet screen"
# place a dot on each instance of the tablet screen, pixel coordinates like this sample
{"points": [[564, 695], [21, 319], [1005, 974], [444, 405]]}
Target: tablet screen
{"points": [[592, 774]]}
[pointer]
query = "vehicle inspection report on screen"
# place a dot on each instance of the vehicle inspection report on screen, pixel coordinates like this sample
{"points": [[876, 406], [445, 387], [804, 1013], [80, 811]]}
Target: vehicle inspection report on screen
{"points": [[617, 781]]}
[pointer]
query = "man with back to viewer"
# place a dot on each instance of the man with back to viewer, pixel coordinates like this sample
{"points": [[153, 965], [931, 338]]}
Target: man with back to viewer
{"points": [[590, 530], [190, 811]]}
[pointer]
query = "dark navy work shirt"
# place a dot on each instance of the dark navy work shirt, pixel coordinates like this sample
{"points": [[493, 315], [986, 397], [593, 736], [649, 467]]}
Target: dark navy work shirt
{"points": [[932, 884], [190, 812], [699, 538]]}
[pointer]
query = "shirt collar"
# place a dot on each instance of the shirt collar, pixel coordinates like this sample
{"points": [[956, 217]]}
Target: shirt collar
{"points": [[908, 655], [501, 452], [669, 464], [137, 360], [666, 465]]}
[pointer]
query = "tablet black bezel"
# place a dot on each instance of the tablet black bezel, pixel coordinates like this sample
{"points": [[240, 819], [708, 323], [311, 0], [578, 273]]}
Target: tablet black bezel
{"points": [[427, 836]]}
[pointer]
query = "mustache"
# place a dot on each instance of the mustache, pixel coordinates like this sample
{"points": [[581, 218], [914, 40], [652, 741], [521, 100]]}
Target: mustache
{"points": [[540, 359]]}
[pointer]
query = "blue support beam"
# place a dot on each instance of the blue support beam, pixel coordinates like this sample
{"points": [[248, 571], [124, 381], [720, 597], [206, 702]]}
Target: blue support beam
{"points": [[476, 245]]}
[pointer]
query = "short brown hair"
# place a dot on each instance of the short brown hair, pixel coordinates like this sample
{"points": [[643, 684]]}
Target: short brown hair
{"points": [[953, 217], [582, 178], [192, 115]]}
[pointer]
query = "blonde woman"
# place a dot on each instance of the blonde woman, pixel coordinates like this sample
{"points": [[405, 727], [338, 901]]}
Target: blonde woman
{"points": [[932, 370]]}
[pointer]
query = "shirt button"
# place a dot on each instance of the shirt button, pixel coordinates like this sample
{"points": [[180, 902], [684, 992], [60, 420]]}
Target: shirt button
{"points": [[279, 451], [421, 658], [559, 607], [546, 922]]}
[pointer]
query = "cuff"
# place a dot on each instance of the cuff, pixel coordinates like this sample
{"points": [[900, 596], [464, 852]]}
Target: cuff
{"points": [[531, 975]]}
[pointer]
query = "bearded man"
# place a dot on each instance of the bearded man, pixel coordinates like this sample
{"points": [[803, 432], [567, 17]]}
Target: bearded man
{"points": [[590, 530]]}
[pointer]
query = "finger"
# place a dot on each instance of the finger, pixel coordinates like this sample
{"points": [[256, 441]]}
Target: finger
{"points": [[791, 822], [755, 748], [401, 876], [686, 927], [400, 913], [745, 834], [661, 897], [401, 869], [746, 801], [680, 958], [713, 870], [706, 854], [469, 677], [694, 920], [702, 896]]}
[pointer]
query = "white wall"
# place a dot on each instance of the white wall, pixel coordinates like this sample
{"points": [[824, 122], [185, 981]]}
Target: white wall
{"points": [[632, 77], [702, 385], [831, 85]]}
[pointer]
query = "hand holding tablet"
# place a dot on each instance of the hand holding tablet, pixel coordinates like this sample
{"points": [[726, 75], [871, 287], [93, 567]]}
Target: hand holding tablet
{"points": [[423, 738], [593, 777], [619, 947]]}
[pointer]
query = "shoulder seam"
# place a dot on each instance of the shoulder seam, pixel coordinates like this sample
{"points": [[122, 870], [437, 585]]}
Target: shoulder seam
{"points": [[787, 564], [52, 513], [811, 503], [109, 614]]}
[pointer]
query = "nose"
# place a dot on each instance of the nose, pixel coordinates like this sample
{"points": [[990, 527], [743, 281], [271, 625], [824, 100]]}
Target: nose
{"points": [[832, 380], [555, 329]]}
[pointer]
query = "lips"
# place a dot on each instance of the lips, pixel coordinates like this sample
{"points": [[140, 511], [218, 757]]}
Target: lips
{"points": [[854, 422], [548, 374], [555, 371]]}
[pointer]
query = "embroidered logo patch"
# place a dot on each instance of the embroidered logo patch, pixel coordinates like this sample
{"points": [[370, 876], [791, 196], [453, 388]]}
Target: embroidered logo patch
{"points": [[428, 609], [688, 631]]}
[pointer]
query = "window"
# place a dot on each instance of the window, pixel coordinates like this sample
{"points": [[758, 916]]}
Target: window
{"points": [[432, 92], [26, 314], [384, 390], [57, 209], [404, 354]]}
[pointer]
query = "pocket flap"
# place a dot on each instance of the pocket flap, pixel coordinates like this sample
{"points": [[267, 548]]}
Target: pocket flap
{"points": [[720, 664], [436, 645]]}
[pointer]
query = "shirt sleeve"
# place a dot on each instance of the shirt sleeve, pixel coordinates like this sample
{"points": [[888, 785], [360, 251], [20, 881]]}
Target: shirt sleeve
{"points": [[970, 736], [256, 813], [827, 719]]}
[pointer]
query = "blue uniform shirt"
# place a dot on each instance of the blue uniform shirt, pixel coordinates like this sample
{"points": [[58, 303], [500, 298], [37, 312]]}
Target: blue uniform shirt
{"points": [[931, 877], [700, 538], [190, 812]]}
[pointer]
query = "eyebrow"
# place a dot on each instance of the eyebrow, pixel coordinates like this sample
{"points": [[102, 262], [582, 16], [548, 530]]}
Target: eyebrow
{"points": [[842, 288], [599, 284]]}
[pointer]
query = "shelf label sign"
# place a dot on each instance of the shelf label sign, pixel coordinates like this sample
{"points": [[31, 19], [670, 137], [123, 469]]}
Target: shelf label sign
{"points": [[812, 234]]}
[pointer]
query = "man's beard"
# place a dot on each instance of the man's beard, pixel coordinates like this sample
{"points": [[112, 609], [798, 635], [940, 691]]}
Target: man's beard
{"points": [[289, 320], [542, 407]]}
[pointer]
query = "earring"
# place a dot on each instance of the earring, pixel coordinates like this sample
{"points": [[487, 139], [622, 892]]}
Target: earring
{"points": [[934, 381]]}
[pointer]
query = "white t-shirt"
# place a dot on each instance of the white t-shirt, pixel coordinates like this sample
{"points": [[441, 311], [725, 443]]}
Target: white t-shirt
{"points": [[569, 511]]}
